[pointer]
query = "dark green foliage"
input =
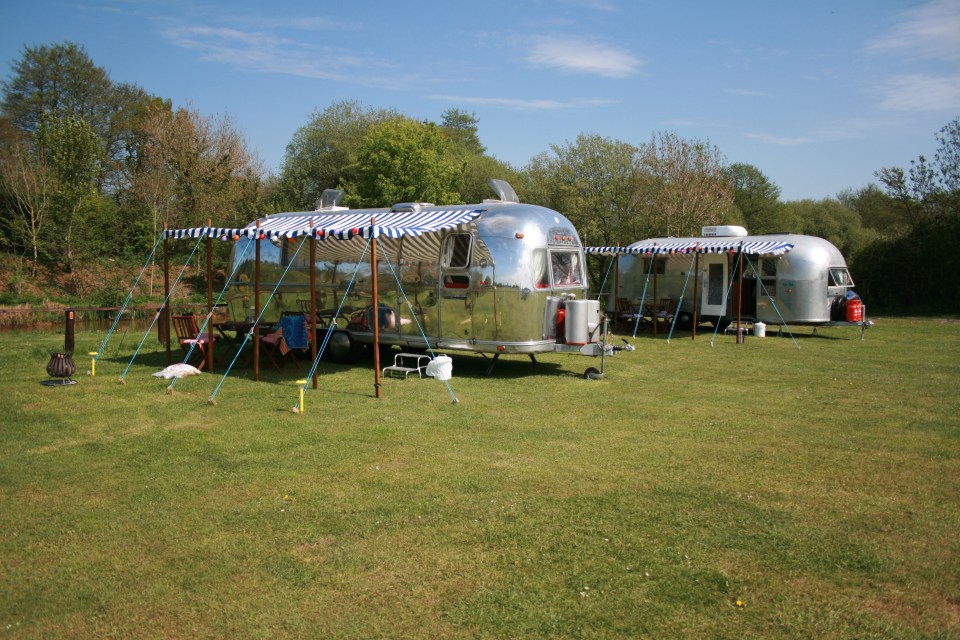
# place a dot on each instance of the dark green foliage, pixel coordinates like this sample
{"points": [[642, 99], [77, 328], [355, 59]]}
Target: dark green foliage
{"points": [[919, 271]]}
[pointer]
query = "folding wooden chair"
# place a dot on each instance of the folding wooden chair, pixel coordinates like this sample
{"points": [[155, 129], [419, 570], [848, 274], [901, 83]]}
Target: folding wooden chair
{"points": [[188, 334], [276, 348]]}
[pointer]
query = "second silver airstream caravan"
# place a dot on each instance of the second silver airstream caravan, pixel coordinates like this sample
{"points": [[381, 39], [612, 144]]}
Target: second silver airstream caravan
{"points": [[509, 281], [780, 278]]}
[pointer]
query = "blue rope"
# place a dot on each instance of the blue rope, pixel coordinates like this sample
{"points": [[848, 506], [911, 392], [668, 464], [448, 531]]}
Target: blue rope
{"points": [[157, 315], [206, 320], [775, 308], [603, 285], [413, 314], [263, 309], [726, 298], [326, 338], [123, 307], [683, 291], [643, 297]]}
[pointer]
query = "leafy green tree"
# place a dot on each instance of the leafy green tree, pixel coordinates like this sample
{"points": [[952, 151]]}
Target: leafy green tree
{"points": [[831, 220], [689, 187], [594, 182], [28, 189], [72, 153], [462, 129], [929, 189], [322, 153], [59, 79], [403, 160], [755, 197], [877, 210], [477, 171]]}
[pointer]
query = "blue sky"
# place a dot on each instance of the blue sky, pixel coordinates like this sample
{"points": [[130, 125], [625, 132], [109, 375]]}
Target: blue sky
{"points": [[817, 94]]}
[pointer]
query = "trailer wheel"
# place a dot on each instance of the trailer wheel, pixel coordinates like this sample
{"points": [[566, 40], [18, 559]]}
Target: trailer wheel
{"points": [[592, 373], [343, 349]]}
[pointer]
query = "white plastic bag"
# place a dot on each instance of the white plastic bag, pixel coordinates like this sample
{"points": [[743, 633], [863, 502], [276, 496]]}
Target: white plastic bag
{"points": [[441, 367]]}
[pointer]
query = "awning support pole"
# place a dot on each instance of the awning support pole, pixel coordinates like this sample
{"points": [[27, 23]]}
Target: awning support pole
{"points": [[696, 290], [313, 303], [376, 308], [256, 308], [210, 345], [165, 310]]}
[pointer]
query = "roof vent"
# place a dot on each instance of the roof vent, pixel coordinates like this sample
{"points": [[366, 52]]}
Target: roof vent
{"points": [[504, 191], [409, 207], [723, 231], [329, 200]]}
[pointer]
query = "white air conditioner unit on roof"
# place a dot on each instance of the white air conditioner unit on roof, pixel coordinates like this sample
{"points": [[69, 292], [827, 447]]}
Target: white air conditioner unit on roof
{"points": [[723, 231]]}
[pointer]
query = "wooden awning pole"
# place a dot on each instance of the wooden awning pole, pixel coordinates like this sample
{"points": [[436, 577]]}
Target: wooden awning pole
{"points": [[313, 301], [376, 309], [165, 309], [696, 290], [256, 308], [210, 345]]}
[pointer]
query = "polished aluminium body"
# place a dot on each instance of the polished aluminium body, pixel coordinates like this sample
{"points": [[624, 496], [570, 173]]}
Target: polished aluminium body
{"points": [[802, 286], [498, 285]]}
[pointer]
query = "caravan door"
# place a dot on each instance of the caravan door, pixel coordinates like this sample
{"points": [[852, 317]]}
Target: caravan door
{"points": [[713, 285]]}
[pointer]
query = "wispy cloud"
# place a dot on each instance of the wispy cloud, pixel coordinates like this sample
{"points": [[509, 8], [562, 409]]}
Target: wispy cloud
{"points": [[929, 31], [579, 55], [920, 92], [782, 141], [524, 104], [264, 52]]}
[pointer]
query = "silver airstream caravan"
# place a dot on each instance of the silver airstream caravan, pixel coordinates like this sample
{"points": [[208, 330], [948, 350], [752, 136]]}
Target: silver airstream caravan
{"points": [[781, 278], [510, 281]]}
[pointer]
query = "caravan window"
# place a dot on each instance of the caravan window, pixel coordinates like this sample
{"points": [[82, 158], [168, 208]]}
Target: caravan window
{"points": [[659, 266], [768, 277], [456, 251], [840, 277], [567, 271]]}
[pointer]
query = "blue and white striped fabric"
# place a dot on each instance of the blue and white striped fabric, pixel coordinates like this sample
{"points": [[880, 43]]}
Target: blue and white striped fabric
{"points": [[343, 226], [672, 246]]}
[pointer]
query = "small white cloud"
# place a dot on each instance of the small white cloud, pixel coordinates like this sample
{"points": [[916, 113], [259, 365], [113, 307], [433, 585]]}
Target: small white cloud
{"points": [[263, 52], [920, 92], [582, 56], [782, 141], [929, 31], [524, 104]]}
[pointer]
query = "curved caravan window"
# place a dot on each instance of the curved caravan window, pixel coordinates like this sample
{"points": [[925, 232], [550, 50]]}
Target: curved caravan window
{"points": [[840, 277], [455, 260], [456, 251], [567, 268]]}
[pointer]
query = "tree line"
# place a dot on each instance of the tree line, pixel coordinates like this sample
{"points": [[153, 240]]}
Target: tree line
{"points": [[91, 170]]}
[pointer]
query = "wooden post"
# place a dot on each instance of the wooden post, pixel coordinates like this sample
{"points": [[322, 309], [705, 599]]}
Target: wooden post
{"points": [[165, 309], [653, 267], [313, 301], [696, 296], [209, 299], [739, 288], [376, 310], [256, 308]]}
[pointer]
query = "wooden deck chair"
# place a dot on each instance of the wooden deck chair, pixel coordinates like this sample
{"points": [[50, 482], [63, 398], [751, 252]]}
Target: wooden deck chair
{"points": [[667, 309], [626, 312], [188, 334], [276, 348]]}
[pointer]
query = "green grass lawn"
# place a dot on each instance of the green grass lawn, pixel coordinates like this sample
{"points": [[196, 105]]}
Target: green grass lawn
{"points": [[726, 491]]}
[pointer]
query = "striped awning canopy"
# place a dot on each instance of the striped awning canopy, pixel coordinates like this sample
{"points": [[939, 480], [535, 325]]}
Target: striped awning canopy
{"points": [[672, 246], [339, 225]]}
